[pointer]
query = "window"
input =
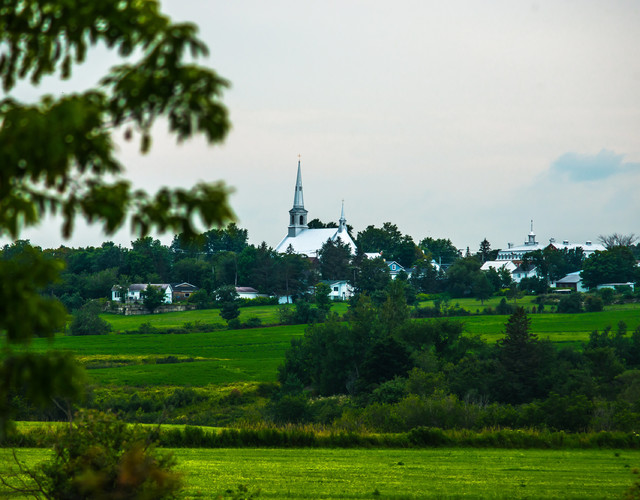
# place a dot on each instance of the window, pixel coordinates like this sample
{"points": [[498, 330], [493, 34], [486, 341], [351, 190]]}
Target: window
{"points": [[301, 220], [335, 288]]}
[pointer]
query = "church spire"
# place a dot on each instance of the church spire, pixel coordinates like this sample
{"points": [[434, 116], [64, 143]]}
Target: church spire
{"points": [[298, 214], [298, 198], [531, 237], [343, 222]]}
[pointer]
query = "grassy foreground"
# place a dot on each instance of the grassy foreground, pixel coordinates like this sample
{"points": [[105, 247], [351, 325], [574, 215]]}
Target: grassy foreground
{"points": [[409, 474]]}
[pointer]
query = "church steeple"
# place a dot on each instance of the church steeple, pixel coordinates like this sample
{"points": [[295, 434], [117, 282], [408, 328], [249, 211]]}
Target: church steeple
{"points": [[531, 237], [298, 214], [342, 226]]}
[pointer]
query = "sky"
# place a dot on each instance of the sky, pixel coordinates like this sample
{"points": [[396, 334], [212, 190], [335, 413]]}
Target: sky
{"points": [[460, 119]]}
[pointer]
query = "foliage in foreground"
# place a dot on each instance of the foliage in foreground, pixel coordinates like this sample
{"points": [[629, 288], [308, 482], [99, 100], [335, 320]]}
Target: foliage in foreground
{"points": [[58, 155], [100, 457]]}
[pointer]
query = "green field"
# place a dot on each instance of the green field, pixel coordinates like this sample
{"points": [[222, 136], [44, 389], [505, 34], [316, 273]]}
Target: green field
{"points": [[253, 355], [559, 328], [267, 314], [219, 357], [407, 474]]}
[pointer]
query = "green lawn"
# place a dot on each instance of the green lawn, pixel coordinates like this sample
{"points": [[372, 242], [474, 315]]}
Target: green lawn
{"points": [[267, 314], [473, 305], [559, 328], [220, 357], [407, 474]]}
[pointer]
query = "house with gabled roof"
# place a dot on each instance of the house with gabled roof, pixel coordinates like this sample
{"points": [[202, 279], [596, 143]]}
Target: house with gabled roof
{"points": [[340, 289], [174, 292], [182, 291]]}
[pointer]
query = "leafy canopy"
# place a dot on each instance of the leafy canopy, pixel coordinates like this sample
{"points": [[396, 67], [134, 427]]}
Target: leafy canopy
{"points": [[58, 156]]}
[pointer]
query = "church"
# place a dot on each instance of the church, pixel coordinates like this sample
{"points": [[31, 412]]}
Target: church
{"points": [[304, 240]]}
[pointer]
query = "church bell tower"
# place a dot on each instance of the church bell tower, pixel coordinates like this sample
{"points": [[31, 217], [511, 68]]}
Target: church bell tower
{"points": [[297, 215]]}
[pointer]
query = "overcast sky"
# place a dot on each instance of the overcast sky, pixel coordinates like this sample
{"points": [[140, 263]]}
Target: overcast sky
{"points": [[458, 119]]}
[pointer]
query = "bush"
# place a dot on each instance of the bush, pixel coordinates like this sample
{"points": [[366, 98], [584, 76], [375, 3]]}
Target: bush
{"points": [[593, 303], [253, 323], [571, 303], [504, 308], [290, 408], [147, 327], [230, 310], [428, 436], [87, 321], [607, 295], [100, 456], [234, 324]]}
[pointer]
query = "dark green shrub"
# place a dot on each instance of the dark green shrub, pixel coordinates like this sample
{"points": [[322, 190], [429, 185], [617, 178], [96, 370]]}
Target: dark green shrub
{"points": [[147, 327], [571, 303], [390, 391], [428, 436], [230, 311], [86, 321], [504, 308], [290, 408], [253, 323], [234, 324], [100, 456], [182, 397], [608, 295], [593, 303]]}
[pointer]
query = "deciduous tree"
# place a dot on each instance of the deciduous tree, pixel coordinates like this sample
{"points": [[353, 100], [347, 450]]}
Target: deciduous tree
{"points": [[58, 154]]}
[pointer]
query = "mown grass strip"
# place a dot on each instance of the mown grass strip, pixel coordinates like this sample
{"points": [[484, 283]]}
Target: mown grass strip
{"points": [[396, 473]]}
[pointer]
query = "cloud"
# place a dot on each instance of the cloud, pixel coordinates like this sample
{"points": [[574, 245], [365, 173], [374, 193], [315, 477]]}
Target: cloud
{"points": [[583, 167]]}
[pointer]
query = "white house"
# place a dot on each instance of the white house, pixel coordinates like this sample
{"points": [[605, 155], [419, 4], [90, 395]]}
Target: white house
{"points": [[521, 272], [518, 273], [246, 292], [499, 264], [630, 284], [135, 290], [305, 241], [340, 289], [571, 281]]}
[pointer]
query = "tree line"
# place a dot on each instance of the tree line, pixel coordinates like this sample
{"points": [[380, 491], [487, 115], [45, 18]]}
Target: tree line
{"points": [[399, 372], [224, 257]]}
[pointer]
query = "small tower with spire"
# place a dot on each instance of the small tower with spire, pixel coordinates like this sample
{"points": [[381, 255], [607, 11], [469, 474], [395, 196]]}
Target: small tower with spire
{"points": [[342, 226], [531, 236], [298, 214]]}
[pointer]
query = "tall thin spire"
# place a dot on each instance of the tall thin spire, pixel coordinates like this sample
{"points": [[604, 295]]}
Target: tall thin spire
{"points": [[343, 222], [298, 214], [298, 198], [532, 236]]}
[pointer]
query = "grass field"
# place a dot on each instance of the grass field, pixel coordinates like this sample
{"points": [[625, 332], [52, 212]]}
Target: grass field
{"points": [[406, 474], [218, 357], [253, 355], [267, 314]]}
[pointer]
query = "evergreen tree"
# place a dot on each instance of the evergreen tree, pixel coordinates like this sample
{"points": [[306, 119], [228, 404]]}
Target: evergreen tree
{"points": [[521, 356], [152, 297]]}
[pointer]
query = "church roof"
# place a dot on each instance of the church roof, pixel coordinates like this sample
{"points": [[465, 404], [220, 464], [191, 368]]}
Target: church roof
{"points": [[309, 241]]}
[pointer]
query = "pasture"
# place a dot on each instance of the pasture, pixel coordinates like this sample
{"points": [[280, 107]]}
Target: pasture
{"points": [[220, 357], [397, 473], [253, 355]]}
